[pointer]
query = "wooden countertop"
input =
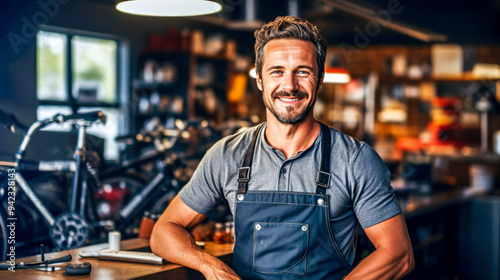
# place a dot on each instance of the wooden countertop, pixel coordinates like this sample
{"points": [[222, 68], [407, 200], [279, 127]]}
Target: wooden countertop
{"points": [[415, 205], [107, 269]]}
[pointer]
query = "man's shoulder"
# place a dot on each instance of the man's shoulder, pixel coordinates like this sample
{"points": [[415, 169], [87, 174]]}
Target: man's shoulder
{"points": [[345, 142], [238, 141]]}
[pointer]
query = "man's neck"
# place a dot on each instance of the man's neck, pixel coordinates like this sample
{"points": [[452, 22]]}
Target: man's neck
{"points": [[291, 139]]}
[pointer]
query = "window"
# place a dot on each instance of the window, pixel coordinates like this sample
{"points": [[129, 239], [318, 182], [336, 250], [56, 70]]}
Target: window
{"points": [[94, 69], [78, 72], [51, 66]]}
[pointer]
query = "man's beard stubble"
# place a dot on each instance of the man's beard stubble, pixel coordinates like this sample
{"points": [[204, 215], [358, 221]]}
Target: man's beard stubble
{"points": [[285, 119]]}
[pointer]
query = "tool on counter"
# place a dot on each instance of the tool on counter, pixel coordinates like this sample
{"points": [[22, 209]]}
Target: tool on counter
{"points": [[78, 269], [42, 264]]}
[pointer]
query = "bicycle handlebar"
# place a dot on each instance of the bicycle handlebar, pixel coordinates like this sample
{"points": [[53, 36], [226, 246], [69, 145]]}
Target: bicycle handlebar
{"points": [[82, 119], [90, 117]]}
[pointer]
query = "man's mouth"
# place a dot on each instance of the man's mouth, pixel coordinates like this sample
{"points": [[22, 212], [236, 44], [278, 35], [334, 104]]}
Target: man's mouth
{"points": [[284, 99]]}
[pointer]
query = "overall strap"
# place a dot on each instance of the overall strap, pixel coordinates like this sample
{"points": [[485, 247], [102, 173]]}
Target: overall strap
{"points": [[323, 175], [244, 171]]}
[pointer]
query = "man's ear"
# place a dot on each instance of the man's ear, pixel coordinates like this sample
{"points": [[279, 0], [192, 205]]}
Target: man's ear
{"points": [[258, 80]]}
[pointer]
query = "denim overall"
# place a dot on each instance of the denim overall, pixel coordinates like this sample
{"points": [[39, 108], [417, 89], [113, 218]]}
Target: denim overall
{"points": [[286, 235]]}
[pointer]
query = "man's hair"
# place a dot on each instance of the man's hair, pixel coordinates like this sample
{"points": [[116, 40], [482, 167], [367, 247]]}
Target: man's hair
{"points": [[289, 27]]}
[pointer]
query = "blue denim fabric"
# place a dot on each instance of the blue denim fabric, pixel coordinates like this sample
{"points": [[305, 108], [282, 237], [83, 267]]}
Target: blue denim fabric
{"points": [[283, 235]]}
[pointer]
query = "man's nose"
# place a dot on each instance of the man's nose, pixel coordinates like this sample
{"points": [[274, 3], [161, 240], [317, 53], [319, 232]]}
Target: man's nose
{"points": [[290, 82]]}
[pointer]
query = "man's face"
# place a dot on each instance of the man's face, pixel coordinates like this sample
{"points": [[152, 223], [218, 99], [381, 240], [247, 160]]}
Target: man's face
{"points": [[289, 79]]}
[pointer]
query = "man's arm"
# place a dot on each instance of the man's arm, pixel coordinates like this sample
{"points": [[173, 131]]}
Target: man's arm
{"points": [[171, 240], [393, 257]]}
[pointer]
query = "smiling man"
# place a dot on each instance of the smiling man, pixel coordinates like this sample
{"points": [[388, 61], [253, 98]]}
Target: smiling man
{"points": [[297, 189]]}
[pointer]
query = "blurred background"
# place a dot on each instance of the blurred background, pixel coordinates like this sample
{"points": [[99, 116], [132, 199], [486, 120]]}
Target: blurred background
{"points": [[417, 80]]}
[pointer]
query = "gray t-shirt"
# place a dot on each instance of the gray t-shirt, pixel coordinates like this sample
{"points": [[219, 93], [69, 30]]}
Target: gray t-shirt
{"points": [[359, 188]]}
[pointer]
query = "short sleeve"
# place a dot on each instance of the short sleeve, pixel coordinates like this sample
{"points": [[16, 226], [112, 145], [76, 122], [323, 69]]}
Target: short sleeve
{"points": [[204, 191], [373, 197]]}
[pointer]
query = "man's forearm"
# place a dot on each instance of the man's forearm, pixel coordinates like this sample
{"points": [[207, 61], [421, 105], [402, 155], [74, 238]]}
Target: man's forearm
{"points": [[383, 264], [172, 242]]}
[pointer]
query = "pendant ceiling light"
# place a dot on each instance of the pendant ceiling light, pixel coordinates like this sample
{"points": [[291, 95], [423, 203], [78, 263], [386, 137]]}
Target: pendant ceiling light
{"points": [[169, 8]]}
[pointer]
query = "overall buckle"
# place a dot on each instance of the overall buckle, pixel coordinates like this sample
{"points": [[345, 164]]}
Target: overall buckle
{"points": [[322, 179], [243, 174]]}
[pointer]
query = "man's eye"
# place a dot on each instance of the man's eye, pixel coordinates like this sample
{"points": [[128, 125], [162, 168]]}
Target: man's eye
{"points": [[277, 72], [303, 72]]}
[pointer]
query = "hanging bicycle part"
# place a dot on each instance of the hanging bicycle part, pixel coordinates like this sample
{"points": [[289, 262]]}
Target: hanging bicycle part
{"points": [[69, 231]]}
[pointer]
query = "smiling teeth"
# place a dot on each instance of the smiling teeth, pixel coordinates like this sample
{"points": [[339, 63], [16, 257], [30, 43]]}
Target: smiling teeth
{"points": [[289, 100]]}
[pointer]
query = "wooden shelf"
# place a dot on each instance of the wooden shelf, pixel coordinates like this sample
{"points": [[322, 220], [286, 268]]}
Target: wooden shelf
{"points": [[186, 85], [216, 86], [466, 77], [161, 115], [153, 85], [215, 56], [473, 158], [211, 56]]}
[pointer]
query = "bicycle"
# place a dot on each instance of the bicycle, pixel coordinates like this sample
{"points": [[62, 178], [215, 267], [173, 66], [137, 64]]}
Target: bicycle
{"points": [[153, 196], [69, 229]]}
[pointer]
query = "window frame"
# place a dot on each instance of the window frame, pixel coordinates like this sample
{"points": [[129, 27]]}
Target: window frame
{"points": [[121, 72]]}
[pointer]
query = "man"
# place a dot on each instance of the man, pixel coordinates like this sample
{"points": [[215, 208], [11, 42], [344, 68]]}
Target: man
{"points": [[296, 188]]}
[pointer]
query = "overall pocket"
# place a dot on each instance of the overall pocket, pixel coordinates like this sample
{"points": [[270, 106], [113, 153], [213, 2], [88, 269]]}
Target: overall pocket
{"points": [[280, 247]]}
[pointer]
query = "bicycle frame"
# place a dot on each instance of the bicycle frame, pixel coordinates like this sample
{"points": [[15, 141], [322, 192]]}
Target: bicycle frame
{"points": [[38, 166], [77, 201]]}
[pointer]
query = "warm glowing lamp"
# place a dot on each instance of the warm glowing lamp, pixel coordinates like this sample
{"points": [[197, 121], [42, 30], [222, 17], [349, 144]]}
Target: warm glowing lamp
{"points": [[336, 75], [169, 8], [252, 73]]}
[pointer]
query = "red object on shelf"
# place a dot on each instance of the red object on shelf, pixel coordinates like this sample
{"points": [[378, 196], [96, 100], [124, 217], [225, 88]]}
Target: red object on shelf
{"points": [[445, 102], [409, 144], [171, 40], [154, 42], [185, 40]]}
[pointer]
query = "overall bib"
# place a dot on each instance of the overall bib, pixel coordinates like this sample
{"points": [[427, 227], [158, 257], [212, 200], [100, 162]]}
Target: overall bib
{"points": [[286, 235]]}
